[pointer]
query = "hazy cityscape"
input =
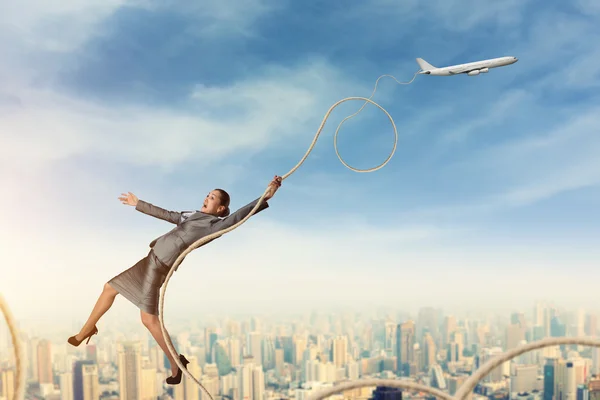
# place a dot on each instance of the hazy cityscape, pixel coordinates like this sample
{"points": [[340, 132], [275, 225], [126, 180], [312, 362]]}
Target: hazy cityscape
{"points": [[262, 358]]}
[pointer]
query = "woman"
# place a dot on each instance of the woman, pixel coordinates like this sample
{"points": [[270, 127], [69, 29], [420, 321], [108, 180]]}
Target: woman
{"points": [[141, 283]]}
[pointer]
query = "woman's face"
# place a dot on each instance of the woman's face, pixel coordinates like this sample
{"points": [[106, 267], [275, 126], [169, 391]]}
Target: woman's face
{"points": [[212, 203]]}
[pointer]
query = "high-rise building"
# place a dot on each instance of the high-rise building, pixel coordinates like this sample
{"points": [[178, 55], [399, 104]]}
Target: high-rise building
{"points": [[279, 361], [44, 362], [258, 383], [66, 386], [91, 387], [429, 352], [438, 380], [7, 380], [390, 339], [340, 351], [255, 324], [298, 347], [245, 378], [557, 328], [497, 373], [387, 393], [455, 382], [210, 338], [515, 334], [235, 354], [523, 378], [85, 380], [268, 353], [519, 319], [92, 353], [32, 352], [450, 325], [149, 387], [187, 389], [427, 321], [130, 370], [582, 392], [255, 347], [549, 378], [405, 347]]}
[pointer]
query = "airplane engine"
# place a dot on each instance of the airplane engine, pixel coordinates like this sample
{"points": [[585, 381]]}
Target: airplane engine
{"points": [[473, 73], [484, 70]]}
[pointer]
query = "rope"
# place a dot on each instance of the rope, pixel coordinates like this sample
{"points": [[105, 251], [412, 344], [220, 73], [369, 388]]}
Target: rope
{"points": [[212, 236], [357, 384], [467, 387], [20, 362]]}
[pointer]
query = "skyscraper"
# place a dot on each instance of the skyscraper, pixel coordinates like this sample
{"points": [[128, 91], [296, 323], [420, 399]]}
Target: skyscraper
{"points": [[255, 347], [429, 352], [549, 372], [210, 337], [85, 380], [130, 370], [66, 386], [44, 362], [340, 351], [7, 380], [405, 347], [387, 393]]}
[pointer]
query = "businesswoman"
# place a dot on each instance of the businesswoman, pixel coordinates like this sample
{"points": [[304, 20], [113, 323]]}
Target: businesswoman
{"points": [[141, 283]]}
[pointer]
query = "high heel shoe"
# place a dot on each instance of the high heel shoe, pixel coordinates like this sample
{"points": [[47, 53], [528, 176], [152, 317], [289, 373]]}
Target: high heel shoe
{"points": [[74, 342], [175, 380]]}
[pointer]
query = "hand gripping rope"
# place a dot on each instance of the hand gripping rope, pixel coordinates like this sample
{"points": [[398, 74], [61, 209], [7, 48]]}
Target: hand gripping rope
{"points": [[212, 236]]}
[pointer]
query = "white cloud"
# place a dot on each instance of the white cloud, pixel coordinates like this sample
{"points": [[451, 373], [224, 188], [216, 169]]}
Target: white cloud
{"points": [[50, 126], [496, 112], [74, 260], [53, 25], [590, 7], [538, 166], [301, 266], [455, 15]]}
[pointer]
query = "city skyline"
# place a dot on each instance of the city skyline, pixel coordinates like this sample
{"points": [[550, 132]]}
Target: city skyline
{"points": [[490, 200], [291, 358]]}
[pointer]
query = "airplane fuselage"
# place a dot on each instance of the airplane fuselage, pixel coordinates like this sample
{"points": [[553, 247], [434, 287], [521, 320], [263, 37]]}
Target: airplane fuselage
{"points": [[472, 68]]}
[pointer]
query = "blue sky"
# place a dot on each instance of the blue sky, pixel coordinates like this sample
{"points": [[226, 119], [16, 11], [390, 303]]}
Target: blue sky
{"points": [[495, 182]]}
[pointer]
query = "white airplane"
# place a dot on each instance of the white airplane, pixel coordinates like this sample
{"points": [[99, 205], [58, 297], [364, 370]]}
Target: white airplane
{"points": [[471, 69]]}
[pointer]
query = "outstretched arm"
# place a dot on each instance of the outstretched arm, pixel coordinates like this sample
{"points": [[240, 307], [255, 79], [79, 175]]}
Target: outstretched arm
{"points": [[244, 211], [149, 209], [173, 217], [238, 216]]}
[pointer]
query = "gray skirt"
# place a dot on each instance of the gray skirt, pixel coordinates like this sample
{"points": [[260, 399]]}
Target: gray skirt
{"points": [[141, 283]]}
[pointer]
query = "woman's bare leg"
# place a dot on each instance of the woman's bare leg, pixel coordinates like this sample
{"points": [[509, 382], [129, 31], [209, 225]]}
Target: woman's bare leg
{"points": [[104, 302], [151, 322]]}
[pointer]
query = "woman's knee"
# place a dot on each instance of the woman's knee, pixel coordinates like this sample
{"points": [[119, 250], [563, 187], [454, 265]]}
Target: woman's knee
{"points": [[149, 320]]}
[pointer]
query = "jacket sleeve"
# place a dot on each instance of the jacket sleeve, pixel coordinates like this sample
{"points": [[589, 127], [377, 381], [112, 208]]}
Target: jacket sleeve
{"points": [[238, 216], [157, 212]]}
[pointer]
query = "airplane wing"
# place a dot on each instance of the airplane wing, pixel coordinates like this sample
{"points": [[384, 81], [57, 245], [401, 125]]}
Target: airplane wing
{"points": [[463, 70]]}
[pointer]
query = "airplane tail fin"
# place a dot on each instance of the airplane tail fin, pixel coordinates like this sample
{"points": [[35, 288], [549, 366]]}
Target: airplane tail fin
{"points": [[424, 64]]}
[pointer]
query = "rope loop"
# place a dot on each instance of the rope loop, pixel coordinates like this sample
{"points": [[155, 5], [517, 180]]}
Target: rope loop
{"points": [[215, 235]]}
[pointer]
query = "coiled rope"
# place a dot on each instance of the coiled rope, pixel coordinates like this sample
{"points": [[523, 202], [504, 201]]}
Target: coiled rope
{"points": [[212, 236], [19, 361]]}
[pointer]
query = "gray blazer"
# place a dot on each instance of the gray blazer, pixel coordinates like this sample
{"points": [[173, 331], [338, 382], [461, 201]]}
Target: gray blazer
{"points": [[191, 226]]}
